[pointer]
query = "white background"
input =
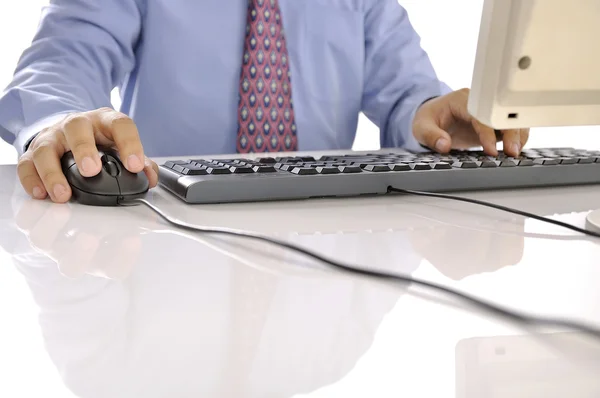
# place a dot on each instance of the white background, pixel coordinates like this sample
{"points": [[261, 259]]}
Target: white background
{"points": [[449, 31]]}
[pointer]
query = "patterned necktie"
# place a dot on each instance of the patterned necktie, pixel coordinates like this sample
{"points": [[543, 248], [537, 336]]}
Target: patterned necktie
{"points": [[265, 111]]}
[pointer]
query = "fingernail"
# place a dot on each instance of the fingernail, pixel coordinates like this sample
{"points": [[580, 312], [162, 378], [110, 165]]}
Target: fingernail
{"points": [[147, 162], [134, 163], [441, 144], [59, 191], [38, 192], [88, 166], [516, 148]]}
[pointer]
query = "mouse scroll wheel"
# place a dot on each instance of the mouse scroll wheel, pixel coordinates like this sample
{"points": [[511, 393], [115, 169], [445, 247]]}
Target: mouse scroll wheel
{"points": [[112, 168]]}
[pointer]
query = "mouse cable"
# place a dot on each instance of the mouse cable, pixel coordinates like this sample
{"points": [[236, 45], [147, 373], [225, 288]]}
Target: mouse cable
{"points": [[497, 207], [488, 306]]}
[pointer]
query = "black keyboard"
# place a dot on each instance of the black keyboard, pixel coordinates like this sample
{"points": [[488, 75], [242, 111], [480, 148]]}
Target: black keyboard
{"points": [[300, 177]]}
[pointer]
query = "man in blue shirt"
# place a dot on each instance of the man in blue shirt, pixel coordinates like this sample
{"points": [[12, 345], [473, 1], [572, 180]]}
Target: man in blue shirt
{"points": [[219, 76]]}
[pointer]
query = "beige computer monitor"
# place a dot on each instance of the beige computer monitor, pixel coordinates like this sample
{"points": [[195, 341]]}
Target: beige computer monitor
{"points": [[537, 64]]}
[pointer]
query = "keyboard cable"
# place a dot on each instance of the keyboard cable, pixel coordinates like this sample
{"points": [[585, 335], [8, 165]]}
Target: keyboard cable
{"points": [[496, 309], [497, 207]]}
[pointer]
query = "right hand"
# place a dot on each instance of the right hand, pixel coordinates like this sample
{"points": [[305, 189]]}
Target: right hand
{"points": [[40, 170]]}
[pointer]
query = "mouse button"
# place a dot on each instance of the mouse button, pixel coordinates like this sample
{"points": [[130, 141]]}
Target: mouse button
{"points": [[133, 183], [100, 184], [112, 168], [67, 161]]}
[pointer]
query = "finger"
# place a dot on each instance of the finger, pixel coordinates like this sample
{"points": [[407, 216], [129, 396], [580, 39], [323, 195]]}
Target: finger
{"points": [[75, 263], [151, 170], [49, 231], [30, 214], [79, 135], [46, 157], [524, 136], [512, 142], [432, 136], [30, 179], [122, 131], [127, 249], [487, 137]]}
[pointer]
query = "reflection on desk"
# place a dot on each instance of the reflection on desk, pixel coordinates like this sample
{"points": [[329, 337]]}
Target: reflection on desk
{"points": [[549, 366], [116, 315], [129, 306]]}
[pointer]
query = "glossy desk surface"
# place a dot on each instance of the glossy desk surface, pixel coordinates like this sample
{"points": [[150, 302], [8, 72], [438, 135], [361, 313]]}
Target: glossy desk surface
{"points": [[113, 302]]}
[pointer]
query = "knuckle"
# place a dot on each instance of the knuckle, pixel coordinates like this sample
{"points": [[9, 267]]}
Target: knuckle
{"points": [[51, 176], [43, 148], [28, 181], [75, 120], [105, 109], [24, 166], [118, 120], [82, 145]]}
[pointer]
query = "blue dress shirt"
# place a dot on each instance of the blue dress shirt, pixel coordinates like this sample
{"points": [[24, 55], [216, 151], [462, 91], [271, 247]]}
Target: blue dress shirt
{"points": [[177, 64]]}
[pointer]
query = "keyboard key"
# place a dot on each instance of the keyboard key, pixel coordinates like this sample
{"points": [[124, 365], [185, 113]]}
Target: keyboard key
{"points": [[218, 170], [182, 166], [350, 169], [508, 163], [327, 170], [241, 169], [190, 169], [399, 167], [264, 169], [525, 162], [363, 164], [566, 160], [377, 168], [420, 166], [585, 160], [546, 161], [288, 159], [285, 166], [195, 171], [486, 164], [335, 164], [267, 160], [331, 158], [171, 163], [442, 166], [307, 158], [466, 165], [304, 171]]}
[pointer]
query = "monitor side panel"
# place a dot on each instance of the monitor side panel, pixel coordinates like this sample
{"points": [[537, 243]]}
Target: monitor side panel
{"points": [[537, 64]]}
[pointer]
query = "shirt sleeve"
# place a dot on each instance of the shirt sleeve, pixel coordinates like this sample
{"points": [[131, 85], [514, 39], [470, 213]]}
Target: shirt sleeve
{"points": [[81, 51], [399, 76]]}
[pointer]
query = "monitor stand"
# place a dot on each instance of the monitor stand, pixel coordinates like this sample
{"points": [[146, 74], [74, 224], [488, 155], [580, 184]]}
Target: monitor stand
{"points": [[593, 221]]}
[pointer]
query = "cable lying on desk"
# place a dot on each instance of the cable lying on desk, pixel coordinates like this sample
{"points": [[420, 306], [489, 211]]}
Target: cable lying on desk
{"points": [[497, 207], [495, 309]]}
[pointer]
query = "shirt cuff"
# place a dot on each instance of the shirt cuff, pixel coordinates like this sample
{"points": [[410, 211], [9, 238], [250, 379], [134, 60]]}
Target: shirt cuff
{"points": [[402, 126], [28, 133]]}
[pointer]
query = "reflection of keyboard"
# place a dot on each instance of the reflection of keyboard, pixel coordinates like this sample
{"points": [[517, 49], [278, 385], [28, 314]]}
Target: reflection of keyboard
{"points": [[238, 180]]}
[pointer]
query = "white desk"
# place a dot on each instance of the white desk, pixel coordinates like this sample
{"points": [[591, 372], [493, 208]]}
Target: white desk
{"points": [[112, 302]]}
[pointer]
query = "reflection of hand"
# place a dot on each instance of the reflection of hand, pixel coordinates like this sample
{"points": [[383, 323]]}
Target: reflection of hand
{"points": [[81, 241], [460, 252]]}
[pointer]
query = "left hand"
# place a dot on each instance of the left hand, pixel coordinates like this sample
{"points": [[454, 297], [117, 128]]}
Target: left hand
{"points": [[444, 123]]}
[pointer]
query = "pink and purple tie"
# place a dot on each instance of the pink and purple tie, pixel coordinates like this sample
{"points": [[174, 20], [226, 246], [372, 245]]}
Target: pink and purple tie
{"points": [[265, 113]]}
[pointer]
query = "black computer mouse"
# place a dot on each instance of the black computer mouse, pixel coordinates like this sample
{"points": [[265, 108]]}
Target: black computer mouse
{"points": [[112, 185]]}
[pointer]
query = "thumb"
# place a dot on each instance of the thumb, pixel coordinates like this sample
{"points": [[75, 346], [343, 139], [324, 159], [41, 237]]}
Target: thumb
{"points": [[432, 136]]}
